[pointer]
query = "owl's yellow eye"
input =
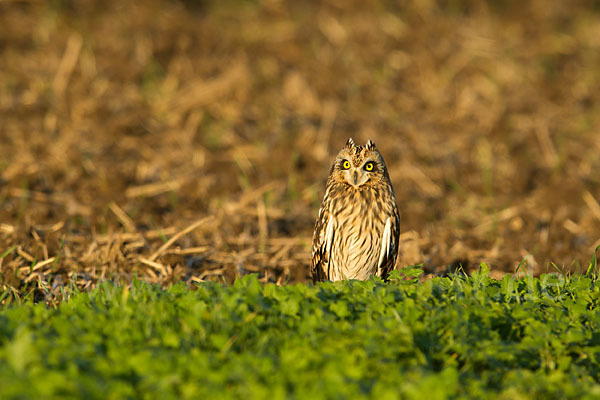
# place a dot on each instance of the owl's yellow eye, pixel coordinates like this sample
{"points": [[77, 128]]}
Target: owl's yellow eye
{"points": [[346, 164], [369, 166]]}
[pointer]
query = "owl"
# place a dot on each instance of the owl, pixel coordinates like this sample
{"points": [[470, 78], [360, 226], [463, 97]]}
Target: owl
{"points": [[357, 229]]}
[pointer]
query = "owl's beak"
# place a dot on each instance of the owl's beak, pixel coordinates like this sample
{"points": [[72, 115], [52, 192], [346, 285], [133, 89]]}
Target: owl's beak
{"points": [[355, 178]]}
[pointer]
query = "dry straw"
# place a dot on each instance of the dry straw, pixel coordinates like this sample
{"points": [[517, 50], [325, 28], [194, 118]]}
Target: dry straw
{"points": [[117, 132]]}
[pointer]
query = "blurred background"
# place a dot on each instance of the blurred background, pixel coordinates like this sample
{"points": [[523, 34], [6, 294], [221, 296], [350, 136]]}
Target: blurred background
{"points": [[122, 123]]}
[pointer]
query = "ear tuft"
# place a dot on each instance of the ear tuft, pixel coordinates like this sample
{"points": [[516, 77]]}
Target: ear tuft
{"points": [[350, 143], [370, 145]]}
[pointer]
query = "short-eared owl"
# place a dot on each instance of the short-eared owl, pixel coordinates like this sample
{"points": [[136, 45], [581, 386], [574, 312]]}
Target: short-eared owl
{"points": [[356, 234]]}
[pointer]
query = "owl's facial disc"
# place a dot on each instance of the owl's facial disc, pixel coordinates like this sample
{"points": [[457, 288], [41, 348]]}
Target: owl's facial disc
{"points": [[354, 176]]}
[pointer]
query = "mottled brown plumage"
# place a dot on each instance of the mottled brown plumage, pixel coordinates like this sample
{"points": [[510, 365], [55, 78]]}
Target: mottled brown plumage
{"points": [[356, 234]]}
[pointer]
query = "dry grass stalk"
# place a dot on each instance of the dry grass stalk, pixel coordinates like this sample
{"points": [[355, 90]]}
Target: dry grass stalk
{"points": [[67, 64], [592, 204], [178, 235], [122, 216]]}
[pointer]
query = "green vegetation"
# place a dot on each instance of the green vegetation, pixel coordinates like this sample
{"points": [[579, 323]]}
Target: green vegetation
{"points": [[448, 337]]}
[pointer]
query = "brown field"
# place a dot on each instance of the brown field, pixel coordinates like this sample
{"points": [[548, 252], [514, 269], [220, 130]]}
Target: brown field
{"points": [[182, 140]]}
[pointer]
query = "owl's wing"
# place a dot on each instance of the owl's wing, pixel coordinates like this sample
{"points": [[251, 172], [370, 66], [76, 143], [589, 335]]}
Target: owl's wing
{"points": [[322, 242], [389, 245]]}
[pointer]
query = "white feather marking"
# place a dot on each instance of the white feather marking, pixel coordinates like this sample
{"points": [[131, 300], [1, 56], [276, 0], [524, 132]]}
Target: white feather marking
{"points": [[385, 244], [329, 237]]}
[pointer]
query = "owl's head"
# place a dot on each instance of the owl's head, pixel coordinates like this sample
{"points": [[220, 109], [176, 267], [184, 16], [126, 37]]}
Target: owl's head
{"points": [[359, 166]]}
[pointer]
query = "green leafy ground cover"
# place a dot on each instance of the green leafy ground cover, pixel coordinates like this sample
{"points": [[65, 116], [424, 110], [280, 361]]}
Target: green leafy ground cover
{"points": [[449, 337]]}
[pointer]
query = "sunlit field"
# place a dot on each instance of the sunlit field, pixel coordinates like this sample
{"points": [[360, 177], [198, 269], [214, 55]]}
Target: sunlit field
{"points": [[162, 164]]}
